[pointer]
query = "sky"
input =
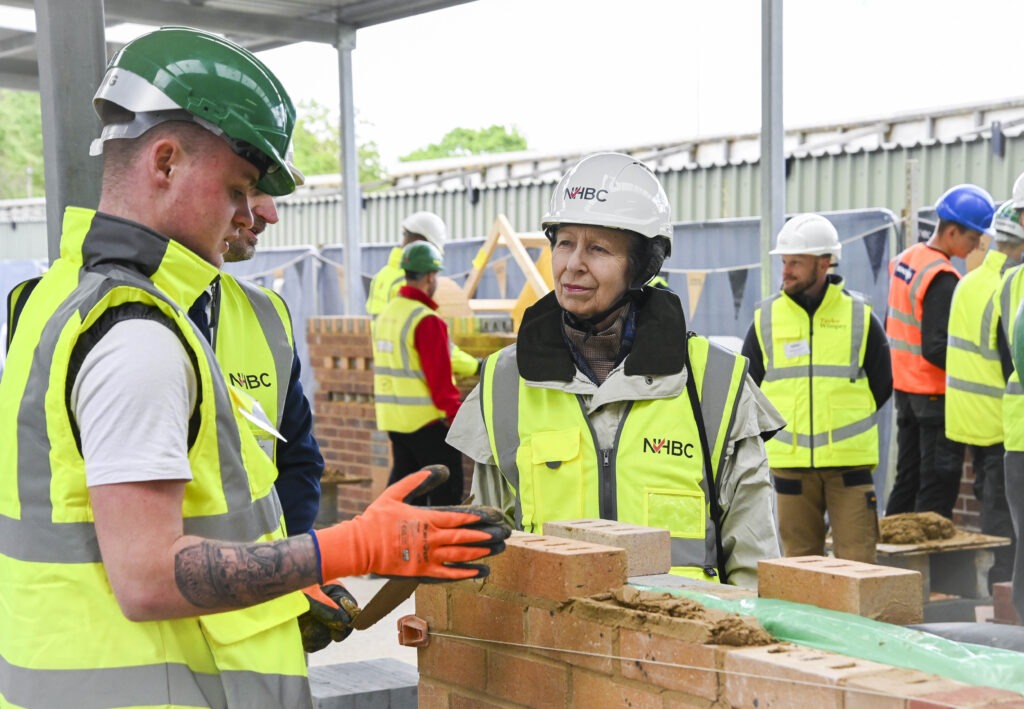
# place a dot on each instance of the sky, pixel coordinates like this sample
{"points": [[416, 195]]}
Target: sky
{"points": [[578, 75], [573, 74]]}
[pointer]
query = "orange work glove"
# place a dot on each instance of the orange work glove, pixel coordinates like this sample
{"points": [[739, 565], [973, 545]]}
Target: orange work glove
{"points": [[329, 618], [396, 539]]}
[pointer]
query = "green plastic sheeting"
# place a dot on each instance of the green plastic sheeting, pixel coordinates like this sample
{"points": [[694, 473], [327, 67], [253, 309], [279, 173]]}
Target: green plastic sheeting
{"points": [[855, 636]]}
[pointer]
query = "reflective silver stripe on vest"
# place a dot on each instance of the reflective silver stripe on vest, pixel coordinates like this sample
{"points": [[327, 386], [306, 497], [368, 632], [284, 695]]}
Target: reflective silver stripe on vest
{"points": [[150, 685], [1014, 388], [35, 537], [105, 688], [919, 279], [836, 371], [1004, 302], [905, 346], [276, 333], [766, 332], [973, 387], [905, 318], [859, 312], [822, 439], [404, 400], [505, 404], [407, 371], [981, 348]]}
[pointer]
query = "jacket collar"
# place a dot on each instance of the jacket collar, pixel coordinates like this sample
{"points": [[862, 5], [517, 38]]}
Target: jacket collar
{"points": [[102, 242], [658, 349]]}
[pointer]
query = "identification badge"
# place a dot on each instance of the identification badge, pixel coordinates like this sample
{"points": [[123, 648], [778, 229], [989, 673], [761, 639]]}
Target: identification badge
{"points": [[797, 349]]}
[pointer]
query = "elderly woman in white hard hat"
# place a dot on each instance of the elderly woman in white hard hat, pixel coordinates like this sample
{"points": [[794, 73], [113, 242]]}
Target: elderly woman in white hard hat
{"points": [[607, 408]]}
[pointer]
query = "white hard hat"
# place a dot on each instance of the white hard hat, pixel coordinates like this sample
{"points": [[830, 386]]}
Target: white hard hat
{"points": [[810, 234], [1007, 223], [611, 190], [428, 225], [1018, 192]]}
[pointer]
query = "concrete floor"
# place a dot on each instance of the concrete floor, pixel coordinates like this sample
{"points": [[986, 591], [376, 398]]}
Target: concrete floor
{"points": [[380, 640]]}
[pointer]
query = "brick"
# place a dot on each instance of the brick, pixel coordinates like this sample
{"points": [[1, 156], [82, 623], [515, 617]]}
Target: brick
{"points": [[453, 662], [648, 550], [968, 697], [1002, 602], [664, 661], [890, 689], [461, 700], [527, 680], [432, 605], [590, 691], [584, 643], [556, 569], [432, 696], [879, 592], [477, 616], [789, 676]]}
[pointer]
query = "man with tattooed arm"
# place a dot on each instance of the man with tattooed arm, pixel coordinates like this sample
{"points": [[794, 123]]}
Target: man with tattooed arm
{"points": [[143, 556]]}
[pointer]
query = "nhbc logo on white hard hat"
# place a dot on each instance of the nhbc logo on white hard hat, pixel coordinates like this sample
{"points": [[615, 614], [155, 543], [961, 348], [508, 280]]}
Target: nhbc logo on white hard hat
{"points": [[586, 193]]}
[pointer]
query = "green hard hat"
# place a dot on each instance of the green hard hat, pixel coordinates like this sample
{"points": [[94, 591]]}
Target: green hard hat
{"points": [[422, 257], [181, 73]]}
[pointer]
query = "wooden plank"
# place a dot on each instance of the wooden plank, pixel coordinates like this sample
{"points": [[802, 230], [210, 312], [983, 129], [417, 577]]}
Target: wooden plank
{"points": [[962, 540]]}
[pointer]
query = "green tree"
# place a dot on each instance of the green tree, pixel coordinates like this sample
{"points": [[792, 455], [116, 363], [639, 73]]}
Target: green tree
{"points": [[21, 145], [317, 145], [460, 142]]}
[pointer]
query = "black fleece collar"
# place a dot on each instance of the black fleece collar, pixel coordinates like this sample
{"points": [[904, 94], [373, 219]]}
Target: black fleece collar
{"points": [[659, 347]]}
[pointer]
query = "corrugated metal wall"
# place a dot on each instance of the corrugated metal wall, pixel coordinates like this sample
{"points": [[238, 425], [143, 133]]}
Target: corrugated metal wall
{"points": [[830, 181], [827, 181]]}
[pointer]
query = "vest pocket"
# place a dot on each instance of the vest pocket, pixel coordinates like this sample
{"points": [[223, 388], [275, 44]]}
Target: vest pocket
{"points": [[556, 476], [845, 410], [681, 512]]}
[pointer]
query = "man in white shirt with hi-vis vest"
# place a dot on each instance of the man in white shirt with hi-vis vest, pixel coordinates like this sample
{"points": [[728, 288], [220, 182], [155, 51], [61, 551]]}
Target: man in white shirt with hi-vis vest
{"points": [[976, 377], [820, 356]]}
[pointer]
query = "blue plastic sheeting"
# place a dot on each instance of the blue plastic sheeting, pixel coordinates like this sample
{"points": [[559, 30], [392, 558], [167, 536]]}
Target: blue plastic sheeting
{"points": [[855, 636]]}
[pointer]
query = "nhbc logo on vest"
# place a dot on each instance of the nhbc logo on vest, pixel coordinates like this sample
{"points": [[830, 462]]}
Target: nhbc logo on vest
{"points": [[250, 381], [904, 272], [668, 447]]}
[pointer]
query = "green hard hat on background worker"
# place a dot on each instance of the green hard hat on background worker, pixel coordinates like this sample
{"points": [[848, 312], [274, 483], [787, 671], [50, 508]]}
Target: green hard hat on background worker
{"points": [[421, 257], [181, 73]]}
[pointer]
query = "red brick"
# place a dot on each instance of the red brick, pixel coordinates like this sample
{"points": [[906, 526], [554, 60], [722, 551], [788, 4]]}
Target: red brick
{"points": [[789, 676], [1002, 602], [583, 643], [527, 680], [590, 691], [556, 569], [667, 662], [879, 592], [477, 616], [453, 662], [432, 605], [431, 696], [648, 550]]}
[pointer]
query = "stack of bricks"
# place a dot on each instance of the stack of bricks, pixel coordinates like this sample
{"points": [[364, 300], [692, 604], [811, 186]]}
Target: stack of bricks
{"points": [[539, 632], [967, 509], [357, 456]]}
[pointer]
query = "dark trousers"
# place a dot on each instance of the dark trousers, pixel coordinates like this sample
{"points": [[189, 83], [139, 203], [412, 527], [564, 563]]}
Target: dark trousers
{"points": [[1014, 468], [995, 511], [412, 451], [928, 465]]}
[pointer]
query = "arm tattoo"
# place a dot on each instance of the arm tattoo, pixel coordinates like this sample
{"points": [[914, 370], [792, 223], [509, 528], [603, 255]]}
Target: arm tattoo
{"points": [[224, 575]]}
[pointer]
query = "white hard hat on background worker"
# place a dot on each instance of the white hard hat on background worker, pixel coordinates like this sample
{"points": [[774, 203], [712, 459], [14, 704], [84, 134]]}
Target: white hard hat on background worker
{"points": [[810, 234], [428, 225]]}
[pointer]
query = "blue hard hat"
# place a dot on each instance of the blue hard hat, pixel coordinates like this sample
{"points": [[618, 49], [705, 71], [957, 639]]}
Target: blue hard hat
{"points": [[969, 206]]}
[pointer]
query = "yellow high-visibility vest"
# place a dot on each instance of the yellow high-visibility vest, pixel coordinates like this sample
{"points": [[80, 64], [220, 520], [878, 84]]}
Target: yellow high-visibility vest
{"points": [[49, 557], [814, 375], [974, 373], [401, 396]]}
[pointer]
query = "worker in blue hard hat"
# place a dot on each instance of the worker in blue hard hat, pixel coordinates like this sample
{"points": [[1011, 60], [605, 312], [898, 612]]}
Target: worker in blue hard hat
{"points": [[921, 284]]}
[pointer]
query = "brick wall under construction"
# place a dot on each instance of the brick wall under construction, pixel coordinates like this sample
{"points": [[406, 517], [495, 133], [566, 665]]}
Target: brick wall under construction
{"points": [[357, 456]]}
